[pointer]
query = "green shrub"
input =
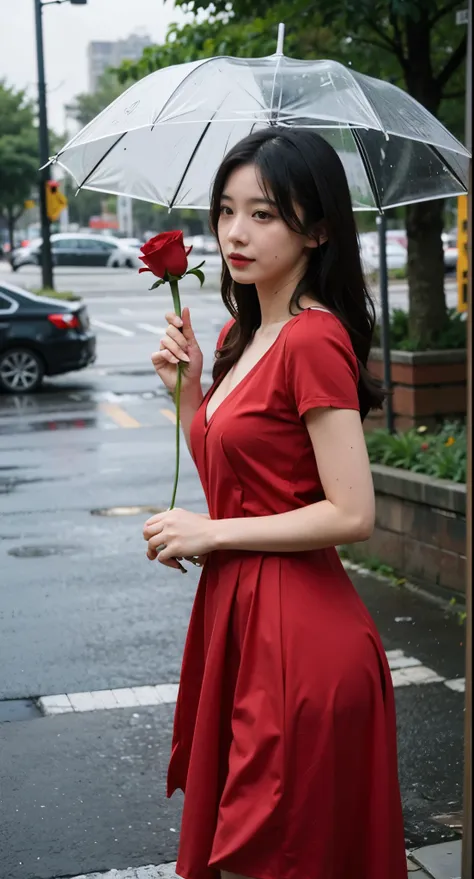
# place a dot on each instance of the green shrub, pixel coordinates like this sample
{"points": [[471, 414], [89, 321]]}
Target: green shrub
{"points": [[441, 454], [453, 336]]}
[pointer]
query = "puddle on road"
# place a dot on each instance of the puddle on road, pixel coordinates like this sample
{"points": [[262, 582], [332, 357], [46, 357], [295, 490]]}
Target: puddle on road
{"points": [[45, 426], [126, 511], [12, 710], [42, 551], [9, 484]]}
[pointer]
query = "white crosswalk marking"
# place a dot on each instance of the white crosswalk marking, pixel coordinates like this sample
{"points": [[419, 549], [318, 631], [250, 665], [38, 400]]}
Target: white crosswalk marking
{"points": [[406, 671], [102, 700], [457, 684], [161, 871], [151, 328], [112, 328]]}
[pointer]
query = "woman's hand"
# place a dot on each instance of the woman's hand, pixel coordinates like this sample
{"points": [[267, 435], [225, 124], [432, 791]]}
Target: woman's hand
{"points": [[179, 345], [184, 534]]}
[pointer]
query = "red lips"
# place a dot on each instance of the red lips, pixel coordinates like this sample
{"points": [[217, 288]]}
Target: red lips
{"points": [[239, 259]]}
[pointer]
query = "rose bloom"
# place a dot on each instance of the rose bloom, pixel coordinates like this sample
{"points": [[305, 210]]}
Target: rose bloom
{"points": [[165, 254]]}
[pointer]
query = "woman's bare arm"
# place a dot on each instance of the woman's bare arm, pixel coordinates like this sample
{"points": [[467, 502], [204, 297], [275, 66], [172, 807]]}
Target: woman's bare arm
{"points": [[347, 514]]}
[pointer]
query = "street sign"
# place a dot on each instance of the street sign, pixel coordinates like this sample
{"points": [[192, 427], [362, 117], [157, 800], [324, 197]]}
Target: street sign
{"points": [[462, 266], [462, 16], [56, 201]]}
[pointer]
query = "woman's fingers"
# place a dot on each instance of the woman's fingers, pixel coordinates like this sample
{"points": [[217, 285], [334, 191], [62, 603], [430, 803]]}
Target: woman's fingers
{"points": [[163, 358], [151, 554], [182, 324], [169, 344]]}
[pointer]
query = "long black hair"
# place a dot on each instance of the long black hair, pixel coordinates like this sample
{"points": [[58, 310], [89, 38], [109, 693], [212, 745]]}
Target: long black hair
{"points": [[298, 168]]}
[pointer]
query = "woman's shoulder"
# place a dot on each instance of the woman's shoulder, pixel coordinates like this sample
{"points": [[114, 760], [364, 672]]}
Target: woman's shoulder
{"points": [[317, 326]]}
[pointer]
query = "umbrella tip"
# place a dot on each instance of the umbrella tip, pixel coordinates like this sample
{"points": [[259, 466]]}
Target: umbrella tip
{"points": [[281, 38]]}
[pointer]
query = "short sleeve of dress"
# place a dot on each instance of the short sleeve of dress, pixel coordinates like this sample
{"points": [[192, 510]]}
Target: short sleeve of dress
{"points": [[223, 333], [320, 364]]}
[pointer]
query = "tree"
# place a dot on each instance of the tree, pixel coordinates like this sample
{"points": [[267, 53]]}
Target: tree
{"points": [[87, 105], [18, 155], [413, 43]]}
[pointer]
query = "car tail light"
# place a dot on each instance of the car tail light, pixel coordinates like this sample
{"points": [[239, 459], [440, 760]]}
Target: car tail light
{"points": [[65, 321]]}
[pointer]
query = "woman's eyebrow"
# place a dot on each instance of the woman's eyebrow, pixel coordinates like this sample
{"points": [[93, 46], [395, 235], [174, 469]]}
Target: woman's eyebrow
{"points": [[267, 201]]}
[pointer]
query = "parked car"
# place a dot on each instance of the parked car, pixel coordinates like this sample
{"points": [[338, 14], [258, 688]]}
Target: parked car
{"points": [[40, 336], [131, 242], [450, 247], [74, 249], [369, 250]]}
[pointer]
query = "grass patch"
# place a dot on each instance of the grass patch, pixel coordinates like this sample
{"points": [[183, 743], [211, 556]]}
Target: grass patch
{"points": [[393, 275], [370, 563], [65, 295]]}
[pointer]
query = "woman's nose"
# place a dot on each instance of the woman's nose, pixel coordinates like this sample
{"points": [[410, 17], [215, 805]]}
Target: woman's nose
{"points": [[237, 231]]}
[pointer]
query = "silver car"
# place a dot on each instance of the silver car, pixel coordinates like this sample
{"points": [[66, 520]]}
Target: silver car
{"points": [[75, 249]]}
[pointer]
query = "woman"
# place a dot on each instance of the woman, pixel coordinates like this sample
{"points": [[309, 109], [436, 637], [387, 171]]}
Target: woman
{"points": [[284, 739]]}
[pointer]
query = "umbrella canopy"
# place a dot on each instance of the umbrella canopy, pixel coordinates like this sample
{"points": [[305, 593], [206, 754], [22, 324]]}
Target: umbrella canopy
{"points": [[163, 139]]}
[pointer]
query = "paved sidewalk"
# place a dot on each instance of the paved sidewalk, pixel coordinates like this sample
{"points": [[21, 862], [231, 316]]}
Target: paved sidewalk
{"points": [[441, 861], [431, 862]]}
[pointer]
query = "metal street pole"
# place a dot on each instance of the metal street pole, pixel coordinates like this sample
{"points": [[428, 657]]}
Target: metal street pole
{"points": [[46, 256], [467, 812], [385, 321]]}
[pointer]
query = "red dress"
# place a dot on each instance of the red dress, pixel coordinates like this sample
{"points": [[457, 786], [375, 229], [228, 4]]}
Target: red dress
{"points": [[284, 739]]}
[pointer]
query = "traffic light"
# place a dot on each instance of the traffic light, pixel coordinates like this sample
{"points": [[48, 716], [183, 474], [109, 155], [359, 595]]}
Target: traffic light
{"points": [[462, 266], [55, 200]]}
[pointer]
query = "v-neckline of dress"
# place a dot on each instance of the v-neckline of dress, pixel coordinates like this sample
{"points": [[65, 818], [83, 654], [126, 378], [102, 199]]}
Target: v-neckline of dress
{"points": [[215, 385]]}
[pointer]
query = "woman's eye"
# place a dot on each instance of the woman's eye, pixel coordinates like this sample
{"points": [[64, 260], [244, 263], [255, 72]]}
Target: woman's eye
{"points": [[225, 210], [262, 215]]}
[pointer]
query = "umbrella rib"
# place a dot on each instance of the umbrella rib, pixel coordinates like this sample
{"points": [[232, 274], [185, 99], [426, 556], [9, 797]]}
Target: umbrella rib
{"points": [[107, 153], [367, 168], [272, 111], [190, 161]]}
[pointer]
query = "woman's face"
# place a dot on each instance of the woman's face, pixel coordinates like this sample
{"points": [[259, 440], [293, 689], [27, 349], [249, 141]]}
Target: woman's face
{"points": [[257, 246]]}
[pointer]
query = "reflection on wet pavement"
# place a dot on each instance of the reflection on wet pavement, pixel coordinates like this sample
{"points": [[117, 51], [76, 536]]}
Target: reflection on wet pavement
{"points": [[59, 424]]}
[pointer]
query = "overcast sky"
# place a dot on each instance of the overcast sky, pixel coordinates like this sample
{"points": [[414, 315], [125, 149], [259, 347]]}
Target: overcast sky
{"points": [[67, 31]]}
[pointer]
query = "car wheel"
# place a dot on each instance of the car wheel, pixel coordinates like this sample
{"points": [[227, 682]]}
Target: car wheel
{"points": [[21, 371], [129, 264]]}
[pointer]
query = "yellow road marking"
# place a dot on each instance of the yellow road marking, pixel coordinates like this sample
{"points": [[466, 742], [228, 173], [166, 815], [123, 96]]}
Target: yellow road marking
{"points": [[169, 414], [117, 414]]}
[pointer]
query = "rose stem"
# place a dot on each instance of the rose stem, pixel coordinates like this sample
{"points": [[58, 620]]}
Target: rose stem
{"points": [[177, 396]]}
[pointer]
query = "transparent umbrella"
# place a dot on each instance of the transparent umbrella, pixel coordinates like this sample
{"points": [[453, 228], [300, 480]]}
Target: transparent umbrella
{"points": [[163, 139]]}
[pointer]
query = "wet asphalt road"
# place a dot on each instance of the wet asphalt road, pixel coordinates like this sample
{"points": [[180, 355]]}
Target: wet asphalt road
{"points": [[81, 609]]}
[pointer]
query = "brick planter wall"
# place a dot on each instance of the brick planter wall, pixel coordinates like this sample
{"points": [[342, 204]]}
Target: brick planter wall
{"points": [[428, 387], [420, 529]]}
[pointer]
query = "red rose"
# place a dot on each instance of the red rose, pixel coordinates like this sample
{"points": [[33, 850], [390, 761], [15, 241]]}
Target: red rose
{"points": [[165, 253], [424, 447]]}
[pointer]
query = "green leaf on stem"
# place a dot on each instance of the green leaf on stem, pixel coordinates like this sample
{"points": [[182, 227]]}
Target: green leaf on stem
{"points": [[198, 274], [157, 283]]}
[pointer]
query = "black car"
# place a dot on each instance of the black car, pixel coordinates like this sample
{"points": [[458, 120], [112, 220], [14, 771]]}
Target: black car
{"points": [[40, 336]]}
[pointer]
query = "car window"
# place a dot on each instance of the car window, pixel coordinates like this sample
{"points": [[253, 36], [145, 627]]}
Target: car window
{"points": [[96, 245], [6, 304], [65, 244]]}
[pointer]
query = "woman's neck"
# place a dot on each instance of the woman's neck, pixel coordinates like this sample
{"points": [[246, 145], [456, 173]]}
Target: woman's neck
{"points": [[275, 301], [275, 305]]}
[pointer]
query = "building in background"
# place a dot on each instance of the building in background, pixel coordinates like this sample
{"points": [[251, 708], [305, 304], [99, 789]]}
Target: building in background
{"points": [[103, 54]]}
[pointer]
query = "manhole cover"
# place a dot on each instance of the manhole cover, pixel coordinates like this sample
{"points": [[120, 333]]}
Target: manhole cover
{"points": [[126, 511], [42, 551]]}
